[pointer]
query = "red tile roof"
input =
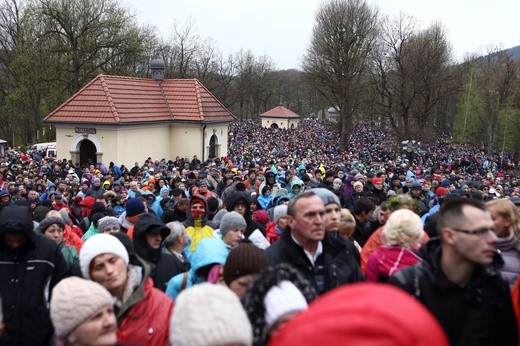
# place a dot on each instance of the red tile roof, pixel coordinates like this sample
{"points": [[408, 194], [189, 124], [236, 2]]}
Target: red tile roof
{"points": [[280, 112], [124, 100]]}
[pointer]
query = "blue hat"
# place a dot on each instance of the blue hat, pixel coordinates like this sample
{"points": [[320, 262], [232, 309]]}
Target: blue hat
{"points": [[416, 186], [134, 206]]}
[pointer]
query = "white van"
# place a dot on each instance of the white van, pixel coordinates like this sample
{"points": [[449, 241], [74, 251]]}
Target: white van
{"points": [[52, 150], [40, 147]]}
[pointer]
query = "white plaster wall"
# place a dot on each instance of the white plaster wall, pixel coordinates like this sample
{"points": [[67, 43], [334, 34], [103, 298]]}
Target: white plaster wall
{"points": [[127, 144]]}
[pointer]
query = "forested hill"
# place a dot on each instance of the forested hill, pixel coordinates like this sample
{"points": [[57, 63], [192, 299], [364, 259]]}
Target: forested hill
{"points": [[515, 52]]}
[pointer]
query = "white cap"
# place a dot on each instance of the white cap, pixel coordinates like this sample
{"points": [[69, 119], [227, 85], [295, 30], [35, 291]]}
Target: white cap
{"points": [[281, 300]]}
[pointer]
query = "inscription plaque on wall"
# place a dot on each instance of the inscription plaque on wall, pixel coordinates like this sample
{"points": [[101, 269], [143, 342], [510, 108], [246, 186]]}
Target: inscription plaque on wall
{"points": [[87, 130]]}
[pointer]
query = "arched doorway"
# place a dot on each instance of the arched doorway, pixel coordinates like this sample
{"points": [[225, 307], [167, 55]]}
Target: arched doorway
{"points": [[87, 152], [274, 125], [213, 141]]}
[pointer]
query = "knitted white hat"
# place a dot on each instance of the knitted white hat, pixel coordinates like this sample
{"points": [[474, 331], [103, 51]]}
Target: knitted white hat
{"points": [[281, 300], [100, 244], [74, 300], [208, 314], [279, 211]]}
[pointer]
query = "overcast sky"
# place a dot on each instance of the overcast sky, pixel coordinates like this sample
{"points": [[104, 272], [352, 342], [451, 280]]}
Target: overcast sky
{"points": [[282, 28]]}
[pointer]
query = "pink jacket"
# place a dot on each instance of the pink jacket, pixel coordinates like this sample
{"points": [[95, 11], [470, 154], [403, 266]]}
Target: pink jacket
{"points": [[388, 260]]}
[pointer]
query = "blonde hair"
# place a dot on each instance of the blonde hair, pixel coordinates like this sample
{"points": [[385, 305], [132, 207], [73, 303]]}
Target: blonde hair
{"points": [[53, 213], [347, 223], [403, 227], [507, 210]]}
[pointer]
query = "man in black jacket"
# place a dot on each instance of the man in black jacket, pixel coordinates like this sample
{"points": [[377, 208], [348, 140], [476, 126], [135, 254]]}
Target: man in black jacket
{"points": [[30, 266], [304, 244], [173, 257], [149, 234], [459, 281]]}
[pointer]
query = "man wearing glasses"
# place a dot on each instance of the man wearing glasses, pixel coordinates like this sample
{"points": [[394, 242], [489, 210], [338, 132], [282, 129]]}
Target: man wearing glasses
{"points": [[459, 281]]}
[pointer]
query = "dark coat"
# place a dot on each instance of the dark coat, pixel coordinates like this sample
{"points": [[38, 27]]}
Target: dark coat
{"points": [[28, 275], [480, 313], [379, 196], [338, 262], [149, 223], [252, 225], [169, 266]]}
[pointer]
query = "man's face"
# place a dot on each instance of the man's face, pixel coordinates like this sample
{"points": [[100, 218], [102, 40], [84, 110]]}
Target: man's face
{"points": [[332, 217], [416, 192], [197, 210], [378, 186], [233, 237], [366, 215], [133, 186], [182, 207], [308, 223], [102, 200], [33, 195], [382, 216], [154, 239], [203, 189], [475, 248], [241, 207], [13, 240], [427, 186]]}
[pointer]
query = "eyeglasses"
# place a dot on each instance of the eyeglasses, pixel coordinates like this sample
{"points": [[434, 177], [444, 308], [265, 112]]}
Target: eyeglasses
{"points": [[479, 232]]}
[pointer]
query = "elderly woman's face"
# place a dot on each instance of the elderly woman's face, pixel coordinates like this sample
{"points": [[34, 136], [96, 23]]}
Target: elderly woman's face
{"points": [[99, 329], [109, 271]]}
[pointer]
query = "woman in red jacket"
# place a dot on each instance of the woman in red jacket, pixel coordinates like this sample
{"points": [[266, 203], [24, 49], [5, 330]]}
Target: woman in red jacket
{"points": [[143, 312]]}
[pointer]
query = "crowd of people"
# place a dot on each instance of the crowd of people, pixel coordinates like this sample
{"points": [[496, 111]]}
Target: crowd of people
{"points": [[233, 250]]}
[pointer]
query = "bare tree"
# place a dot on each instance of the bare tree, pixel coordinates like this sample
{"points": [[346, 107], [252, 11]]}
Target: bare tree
{"points": [[337, 61], [21, 58], [411, 75], [86, 35], [498, 75]]}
